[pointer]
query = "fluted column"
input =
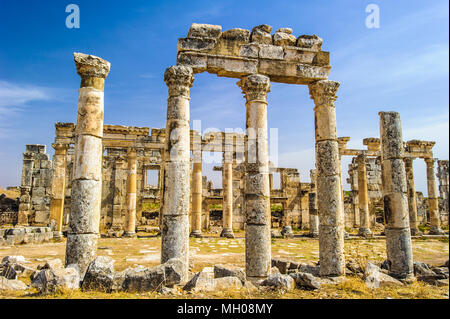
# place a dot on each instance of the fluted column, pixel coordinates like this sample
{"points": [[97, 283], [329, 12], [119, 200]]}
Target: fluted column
{"points": [[257, 190], [130, 216], [87, 169], [329, 191], [363, 197], [58, 188], [197, 197], [313, 213], [227, 206], [412, 203], [175, 217], [433, 201], [398, 235]]}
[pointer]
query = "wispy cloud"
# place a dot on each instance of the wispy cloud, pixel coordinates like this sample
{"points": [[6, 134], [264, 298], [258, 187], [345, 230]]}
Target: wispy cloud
{"points": [[14, 97]]}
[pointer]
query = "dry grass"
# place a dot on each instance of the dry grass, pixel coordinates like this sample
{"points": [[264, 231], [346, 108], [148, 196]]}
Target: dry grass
{"points": [[215, 250]]}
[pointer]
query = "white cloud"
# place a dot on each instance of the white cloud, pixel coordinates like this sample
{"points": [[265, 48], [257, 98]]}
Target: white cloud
{"points": [[13, 97]]}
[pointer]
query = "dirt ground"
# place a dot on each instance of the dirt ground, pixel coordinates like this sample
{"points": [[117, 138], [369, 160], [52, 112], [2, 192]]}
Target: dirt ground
{"points": [[212, 250]]}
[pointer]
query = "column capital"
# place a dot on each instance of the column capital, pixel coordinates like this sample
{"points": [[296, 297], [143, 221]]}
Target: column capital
{"points": [[60, 148], [179, 79], [131, 153], [324, 92], [430, 161], [255, 87], [91, 66]]}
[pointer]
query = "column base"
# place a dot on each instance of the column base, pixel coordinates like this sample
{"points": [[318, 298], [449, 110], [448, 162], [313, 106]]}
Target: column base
{"points": [[364, 232], [129, 235], [196, 234], [314, 234], [57, 235], [436, 230], [416, 232], [287, 232], [227, 233]]}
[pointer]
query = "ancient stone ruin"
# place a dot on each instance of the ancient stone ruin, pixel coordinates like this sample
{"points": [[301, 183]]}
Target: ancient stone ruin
{"points": [[98, 180]]}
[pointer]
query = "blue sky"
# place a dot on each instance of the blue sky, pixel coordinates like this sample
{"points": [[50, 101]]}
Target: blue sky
{"points": [[402, 66]]}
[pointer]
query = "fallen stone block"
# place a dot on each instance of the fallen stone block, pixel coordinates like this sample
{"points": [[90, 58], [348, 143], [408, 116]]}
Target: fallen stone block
{"points": [[99, 275], [306, 281], [173, 272], [53, 280], [221, 271], [141, 279], [228, 283], [13, 259], [279, 281], [12, 285], [9, 272], [374, 278], [202, 281]]}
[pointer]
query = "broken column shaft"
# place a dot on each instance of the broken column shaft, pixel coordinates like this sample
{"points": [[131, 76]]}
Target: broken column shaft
{"points": [[398, 235], [87, 170], [329, 191], [175, 215], [257, 189]]}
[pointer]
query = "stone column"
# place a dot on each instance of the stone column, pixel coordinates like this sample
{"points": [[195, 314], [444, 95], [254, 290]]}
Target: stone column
{"points": [[130, 216], [227, 185], [313, 213], [175, 217], [363, 197], [329, 192], [443, 184], [58, 188], [433, 201], [412, 203], [86, 193], [25, 189], [354, 186], [197, 197], [257, 190], [398, 235]]}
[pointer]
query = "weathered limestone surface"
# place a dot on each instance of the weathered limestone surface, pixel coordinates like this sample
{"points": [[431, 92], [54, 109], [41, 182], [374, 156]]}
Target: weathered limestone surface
{"points": [[175, 214], [130, 220], [433, 201], [197, 197], [257, 189], [58, 188], [87, 170], [397, 229], [237, 53], [364, 226], [443, 188], [313, 213], [329, 190], [227, 182], [412, 202]]}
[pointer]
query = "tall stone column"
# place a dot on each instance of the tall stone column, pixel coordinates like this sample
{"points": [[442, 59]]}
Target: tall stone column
{"points": [[329, 192], [130, 216], [227, 185], [257, 190], [86, 194], [197, 197], [398, 235], [433, 201], [25, 189], [412, 203], [175, 217], [58, 188], [313, 213], [354, 186], [363, 197], [443, 184]]}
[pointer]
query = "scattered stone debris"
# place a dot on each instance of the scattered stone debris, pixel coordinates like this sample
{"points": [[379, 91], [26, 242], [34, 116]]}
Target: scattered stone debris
{"points": [[375, 278]]}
